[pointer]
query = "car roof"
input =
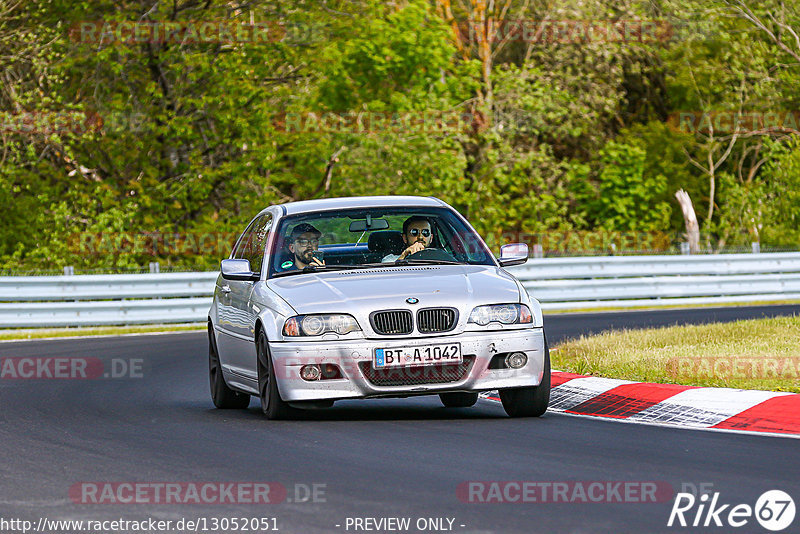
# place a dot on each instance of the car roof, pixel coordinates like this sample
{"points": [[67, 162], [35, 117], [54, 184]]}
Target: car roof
{"points": [[324, 204]]}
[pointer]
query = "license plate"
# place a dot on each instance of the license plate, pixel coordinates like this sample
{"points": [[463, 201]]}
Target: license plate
{"points": [[422, 355]]}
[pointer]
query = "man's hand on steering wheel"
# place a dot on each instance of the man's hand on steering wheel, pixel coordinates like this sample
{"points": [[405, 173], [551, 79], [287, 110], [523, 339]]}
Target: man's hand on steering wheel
{"points": [[412, 249]]}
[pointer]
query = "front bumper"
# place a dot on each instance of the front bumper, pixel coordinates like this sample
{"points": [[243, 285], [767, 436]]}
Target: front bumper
{"points": [[288, 357]]}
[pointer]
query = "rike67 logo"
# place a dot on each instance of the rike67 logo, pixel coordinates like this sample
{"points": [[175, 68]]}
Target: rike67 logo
{"points": [[774, 510]]}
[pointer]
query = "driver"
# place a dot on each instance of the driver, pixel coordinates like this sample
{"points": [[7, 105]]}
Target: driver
{"points": [[417, 235], [303, 242]]}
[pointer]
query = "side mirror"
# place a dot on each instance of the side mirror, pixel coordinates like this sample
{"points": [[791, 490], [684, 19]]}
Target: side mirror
{"points": [[513, 254], [238, 270]]}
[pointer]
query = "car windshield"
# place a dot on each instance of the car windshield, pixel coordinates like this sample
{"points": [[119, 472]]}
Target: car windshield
{"points": [[352, 239]]}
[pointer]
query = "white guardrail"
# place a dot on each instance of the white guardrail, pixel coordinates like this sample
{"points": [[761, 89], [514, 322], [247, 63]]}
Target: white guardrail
{"points": [[558, 283]]}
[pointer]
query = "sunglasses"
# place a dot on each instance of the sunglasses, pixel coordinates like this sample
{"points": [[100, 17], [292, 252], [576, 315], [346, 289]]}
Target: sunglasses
{"points": [[415, 232], [306, 242]]}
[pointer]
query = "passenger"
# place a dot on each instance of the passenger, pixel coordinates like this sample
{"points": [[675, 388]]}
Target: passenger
{"points": [[417, 235], [303, 242]]}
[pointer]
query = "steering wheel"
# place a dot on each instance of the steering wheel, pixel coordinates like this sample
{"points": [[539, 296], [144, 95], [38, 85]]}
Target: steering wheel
{"points": [[431, 254]]}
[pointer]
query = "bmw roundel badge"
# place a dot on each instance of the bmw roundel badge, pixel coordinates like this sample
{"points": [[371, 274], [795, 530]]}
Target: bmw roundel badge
{"points": [[412, 300]]}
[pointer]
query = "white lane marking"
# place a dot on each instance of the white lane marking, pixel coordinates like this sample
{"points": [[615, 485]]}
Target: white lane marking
{"points": [[679, 426], [164, 333], [673, 425], [55, 502]]}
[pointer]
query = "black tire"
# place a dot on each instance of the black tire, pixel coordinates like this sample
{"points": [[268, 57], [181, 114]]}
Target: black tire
{"points": [[271, 403], [223, 396], [458, 400], [529, 401]]}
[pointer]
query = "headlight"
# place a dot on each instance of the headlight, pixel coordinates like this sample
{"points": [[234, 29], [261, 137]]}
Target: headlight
{"points": [[316, 325], [501, 313]]}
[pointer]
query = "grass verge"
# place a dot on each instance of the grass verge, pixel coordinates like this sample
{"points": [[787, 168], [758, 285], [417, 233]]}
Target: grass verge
{"points": [[674, 306], [751, 354], [43, 333]]}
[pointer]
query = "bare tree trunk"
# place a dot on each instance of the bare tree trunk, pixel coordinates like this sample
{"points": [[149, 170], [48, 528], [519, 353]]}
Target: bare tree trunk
{"points": [[690, 219]]}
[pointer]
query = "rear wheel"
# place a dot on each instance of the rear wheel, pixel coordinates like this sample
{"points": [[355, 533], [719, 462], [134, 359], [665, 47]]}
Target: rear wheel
{"points": [[271, 403], [529, 401], [223, 396], [458, 400]]}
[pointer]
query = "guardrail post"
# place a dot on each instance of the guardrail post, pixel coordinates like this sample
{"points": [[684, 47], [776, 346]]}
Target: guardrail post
{"points": [[685, 248], [69, 270], [538, 250], [154, 267], [756, 247]]}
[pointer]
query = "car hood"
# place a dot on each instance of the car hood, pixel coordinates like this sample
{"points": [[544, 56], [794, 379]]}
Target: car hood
{"points": [[362, 291]]}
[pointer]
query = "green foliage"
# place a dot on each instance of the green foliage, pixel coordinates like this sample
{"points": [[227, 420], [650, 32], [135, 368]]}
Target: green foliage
{"points": [[392, 63], [629, 199], [780, 202], [191, 138], [666, 160], [743, 218]]}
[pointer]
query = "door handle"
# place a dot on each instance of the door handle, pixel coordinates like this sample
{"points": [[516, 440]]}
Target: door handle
{"points": [[226, 289]]}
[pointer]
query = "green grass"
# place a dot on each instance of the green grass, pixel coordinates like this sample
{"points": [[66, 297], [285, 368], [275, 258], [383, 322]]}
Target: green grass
{"points": [[754, 354], [41, 333]]}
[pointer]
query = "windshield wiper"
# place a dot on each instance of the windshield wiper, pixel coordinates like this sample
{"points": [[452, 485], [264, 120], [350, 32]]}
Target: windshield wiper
{"points": [[319, 269], [324, 268], [412, 261]]}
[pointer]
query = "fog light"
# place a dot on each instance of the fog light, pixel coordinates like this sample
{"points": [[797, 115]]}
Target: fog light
{"points": [[516, 360], [310, 372]]}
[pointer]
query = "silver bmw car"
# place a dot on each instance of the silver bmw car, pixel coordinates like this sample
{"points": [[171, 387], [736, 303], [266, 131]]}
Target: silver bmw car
{"points": [[368, 297]]}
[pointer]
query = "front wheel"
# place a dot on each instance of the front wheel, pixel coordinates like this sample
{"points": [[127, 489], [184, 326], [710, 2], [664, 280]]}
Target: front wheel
{"points": [[458, 400], [223, 396], [529, 401], [271, 403]]}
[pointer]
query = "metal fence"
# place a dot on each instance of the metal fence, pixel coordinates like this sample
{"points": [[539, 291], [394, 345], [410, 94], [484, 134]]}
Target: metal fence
{"points": [[558, 283], [632, 281], [110, 299]]}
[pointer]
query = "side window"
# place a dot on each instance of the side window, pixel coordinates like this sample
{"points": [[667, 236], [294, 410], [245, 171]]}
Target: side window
{"points": [[254, 241], [449, 240], [441, 234], [462, 244], [473, 248]]}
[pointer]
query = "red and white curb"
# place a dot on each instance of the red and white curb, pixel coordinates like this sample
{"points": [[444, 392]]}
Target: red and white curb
{"points": [[737, 410]]}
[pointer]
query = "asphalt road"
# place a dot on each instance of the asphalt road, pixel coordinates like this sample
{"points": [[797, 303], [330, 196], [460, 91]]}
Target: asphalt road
{"points": [[369, 459]]}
